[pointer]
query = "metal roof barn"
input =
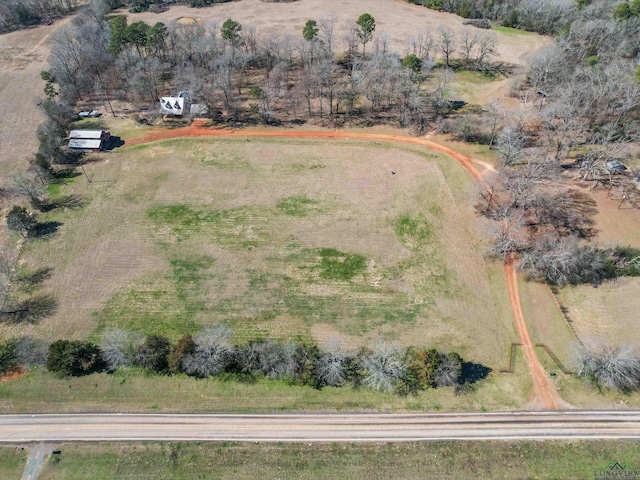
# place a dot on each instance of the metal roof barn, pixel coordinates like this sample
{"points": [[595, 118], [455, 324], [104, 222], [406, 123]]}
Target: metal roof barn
{"points": [[88, 140]]}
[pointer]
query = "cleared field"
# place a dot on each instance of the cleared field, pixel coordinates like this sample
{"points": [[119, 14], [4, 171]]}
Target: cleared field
{"points": [[607, 314], [287, 240], [413, 460], [399, 19]]}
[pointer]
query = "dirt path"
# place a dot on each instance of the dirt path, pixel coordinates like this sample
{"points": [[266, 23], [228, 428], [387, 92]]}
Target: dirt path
{"points": [[545, 394], [199, 131], [37, 455]]}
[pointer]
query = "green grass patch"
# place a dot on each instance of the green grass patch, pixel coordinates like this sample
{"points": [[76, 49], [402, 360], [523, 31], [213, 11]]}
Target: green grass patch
{"points": [[169, 304], [337, 265], [88, 124], [241, 227], [297, 206], [413, 232], [496, 460], [516, 32]]}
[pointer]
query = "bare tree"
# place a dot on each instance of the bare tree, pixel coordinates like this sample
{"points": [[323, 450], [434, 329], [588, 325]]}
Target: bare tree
{"points": [[31, 188], [331, 366], [486, 47], [118, 347], [617, 368], [31, 351], [446, 43], [468, 41], [510, 145], [384, 367], [449, 370], [212, 352]]}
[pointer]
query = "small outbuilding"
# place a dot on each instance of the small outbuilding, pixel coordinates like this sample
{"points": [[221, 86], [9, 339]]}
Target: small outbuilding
{"points": [[88, 140]]}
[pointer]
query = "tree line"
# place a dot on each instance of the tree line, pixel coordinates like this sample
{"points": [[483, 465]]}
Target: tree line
{"points": [[384, 367], [28, 196]]}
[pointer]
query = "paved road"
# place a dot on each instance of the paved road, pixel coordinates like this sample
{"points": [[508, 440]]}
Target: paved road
{"points": [[322, 428]]}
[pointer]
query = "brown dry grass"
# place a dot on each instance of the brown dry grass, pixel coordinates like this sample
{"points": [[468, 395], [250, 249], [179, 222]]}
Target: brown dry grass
{"points": [[400, 19], [23, 55]]}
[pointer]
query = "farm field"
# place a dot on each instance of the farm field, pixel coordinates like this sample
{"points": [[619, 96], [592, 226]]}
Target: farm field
{"points": [[277, 239], [510, 460]]}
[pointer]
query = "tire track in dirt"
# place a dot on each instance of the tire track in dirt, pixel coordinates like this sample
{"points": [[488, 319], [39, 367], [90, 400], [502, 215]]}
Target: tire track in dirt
{"points": [[545, 395]]}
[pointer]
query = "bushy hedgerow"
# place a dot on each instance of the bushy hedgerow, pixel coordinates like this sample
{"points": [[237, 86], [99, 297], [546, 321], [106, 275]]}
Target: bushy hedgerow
{"points": [[385, 367]]}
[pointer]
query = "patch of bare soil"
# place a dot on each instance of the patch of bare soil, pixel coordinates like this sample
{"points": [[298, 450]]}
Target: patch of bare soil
{"points": [[12, 373]]}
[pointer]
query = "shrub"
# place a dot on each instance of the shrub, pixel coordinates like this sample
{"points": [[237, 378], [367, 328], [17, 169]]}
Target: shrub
{"points": [[119, 348], [153, 354], [212, 353], [183, 347], [8, 356], [617, 368], [73, 358], [384, 367]]}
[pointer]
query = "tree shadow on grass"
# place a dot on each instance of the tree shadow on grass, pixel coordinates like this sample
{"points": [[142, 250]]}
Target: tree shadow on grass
{"points": [[473, 372], [67, 201], [30, 311], [44, 229], [31, 280]]}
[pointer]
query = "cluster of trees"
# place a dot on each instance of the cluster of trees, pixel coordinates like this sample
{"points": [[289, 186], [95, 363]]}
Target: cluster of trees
{"points": [[19, 300], [626, 10], [15, 14], [542, 16], [615, 368], [579, 109], [136, 6], [241, 75], [386, 367]]}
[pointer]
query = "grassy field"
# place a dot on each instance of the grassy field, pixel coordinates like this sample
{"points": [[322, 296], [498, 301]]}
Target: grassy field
{"points": [[12, 462], [285, 240], [608, 313], [509, 460]]}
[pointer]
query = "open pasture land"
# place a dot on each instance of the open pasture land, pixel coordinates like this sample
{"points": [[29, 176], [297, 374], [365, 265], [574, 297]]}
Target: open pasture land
{"points": [[351, 240], [400, 20], [509, 460]]}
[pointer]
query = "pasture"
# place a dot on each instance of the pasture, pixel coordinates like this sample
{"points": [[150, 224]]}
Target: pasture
{"points": [[343, 240]]}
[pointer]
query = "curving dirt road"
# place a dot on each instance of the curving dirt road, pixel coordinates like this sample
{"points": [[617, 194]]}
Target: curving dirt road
{"points": [[545, 395], [197, 130]]}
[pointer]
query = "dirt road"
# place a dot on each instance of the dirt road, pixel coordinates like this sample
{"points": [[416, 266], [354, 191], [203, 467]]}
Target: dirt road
{"points": [[321, 427], [545, 394], [197, 130]]}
